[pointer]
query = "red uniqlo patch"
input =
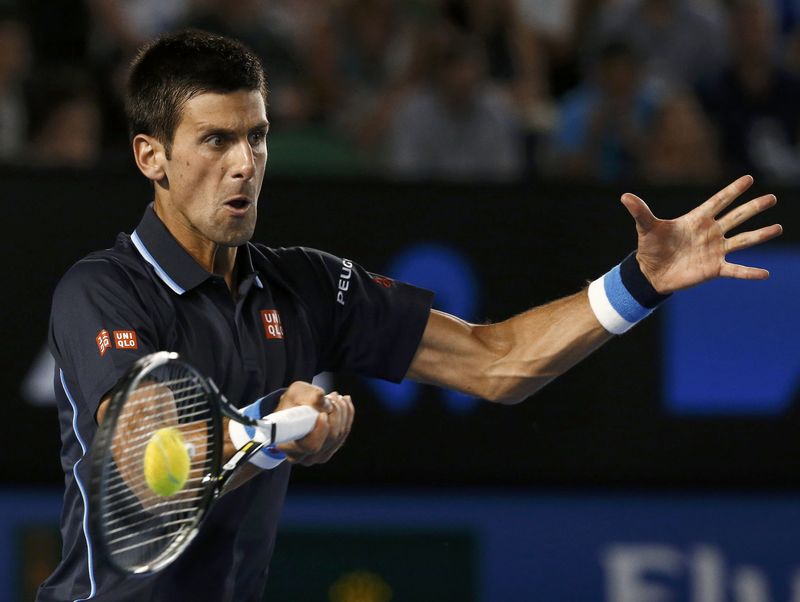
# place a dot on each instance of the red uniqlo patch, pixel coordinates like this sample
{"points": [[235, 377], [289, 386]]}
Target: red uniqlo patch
{"points": [[103, 342], [383, 281], [272, 323], [125, 339]]}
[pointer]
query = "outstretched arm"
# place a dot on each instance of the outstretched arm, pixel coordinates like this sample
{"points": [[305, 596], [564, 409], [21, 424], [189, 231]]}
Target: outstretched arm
{"points": [[510, 360]]}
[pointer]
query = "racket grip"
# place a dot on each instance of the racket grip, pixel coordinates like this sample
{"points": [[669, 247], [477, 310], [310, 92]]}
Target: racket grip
{"points": [[293, 423]]}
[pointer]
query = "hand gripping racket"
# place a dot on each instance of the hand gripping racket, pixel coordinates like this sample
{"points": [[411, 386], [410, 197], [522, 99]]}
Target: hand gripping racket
{"points": [[139, 530]]}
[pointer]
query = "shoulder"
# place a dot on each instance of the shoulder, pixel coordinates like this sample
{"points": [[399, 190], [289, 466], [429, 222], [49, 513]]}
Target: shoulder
{"points": [[108, 269], [291, 259], [99, 267]]}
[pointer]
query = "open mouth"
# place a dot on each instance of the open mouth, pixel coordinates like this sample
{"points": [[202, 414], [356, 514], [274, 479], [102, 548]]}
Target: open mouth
{"points": [[239, 204]]}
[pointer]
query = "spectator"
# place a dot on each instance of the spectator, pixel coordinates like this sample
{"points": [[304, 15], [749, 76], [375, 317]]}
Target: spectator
{"points": [[247, 20], [118, 28], [678, 41], [15, 57], [60, 31], [754, 102], [682, 146], [604, 122], [121, 26], [379, 61], [456, 126], [517, 57], [65, 121], [557, 28]]}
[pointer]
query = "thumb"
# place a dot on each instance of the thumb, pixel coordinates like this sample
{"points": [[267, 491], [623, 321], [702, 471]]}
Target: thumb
{"points": [[639, 211]]}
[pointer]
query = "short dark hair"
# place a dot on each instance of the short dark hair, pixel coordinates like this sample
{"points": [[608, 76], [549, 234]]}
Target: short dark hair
{"points": [[176, 67]]}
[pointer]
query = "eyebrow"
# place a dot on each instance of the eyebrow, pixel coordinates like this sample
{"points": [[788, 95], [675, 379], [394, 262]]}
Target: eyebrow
{"points": [[207, 128]]}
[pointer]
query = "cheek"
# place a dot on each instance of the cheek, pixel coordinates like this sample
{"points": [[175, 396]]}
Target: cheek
{"points": [[192, 175]]}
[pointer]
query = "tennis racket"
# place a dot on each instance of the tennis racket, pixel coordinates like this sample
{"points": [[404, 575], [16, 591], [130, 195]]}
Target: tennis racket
{"points": [[138, 530]]}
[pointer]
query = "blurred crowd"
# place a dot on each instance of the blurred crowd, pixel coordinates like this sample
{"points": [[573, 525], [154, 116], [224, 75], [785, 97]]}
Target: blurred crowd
{"points": [[665, 91]]}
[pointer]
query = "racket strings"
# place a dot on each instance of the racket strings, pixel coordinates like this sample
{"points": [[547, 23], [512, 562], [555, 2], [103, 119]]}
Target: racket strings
{"points": [[166, 539], [122, 524], [140, 540], [141, 527], [199, 413], [118, 492]]}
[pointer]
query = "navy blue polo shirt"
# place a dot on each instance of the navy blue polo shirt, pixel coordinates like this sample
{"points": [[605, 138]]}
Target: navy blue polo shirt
{"points": [[296, 312]]}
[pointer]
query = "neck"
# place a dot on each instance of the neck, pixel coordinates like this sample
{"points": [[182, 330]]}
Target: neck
{"points": [[213, 257]]}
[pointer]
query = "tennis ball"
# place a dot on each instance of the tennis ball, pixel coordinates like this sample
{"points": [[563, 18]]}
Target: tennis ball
{"points": [[166, 462]]}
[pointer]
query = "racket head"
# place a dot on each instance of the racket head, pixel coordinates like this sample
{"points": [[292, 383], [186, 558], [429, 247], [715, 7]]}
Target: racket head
{"points": [[137, 530]]}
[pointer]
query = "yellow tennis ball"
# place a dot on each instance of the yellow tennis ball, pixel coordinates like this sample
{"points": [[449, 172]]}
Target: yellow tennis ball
{"points": [[166, 462]]}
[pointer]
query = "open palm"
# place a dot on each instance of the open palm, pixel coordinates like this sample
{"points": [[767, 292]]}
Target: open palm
{"points": [[679, 253]]}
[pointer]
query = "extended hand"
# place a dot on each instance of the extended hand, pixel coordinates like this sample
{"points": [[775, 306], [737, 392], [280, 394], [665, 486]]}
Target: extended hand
{"points": [[679, 253], [332, 428]]}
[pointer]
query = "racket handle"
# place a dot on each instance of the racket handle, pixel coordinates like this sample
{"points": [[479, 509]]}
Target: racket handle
{"points": [[291, 424]]}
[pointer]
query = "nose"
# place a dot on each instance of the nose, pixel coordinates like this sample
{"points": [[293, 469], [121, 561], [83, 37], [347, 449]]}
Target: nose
{"points": [[244, 162]]}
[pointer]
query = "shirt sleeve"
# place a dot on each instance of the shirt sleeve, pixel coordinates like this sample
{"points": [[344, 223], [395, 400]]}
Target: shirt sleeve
{"points": [[365, 323], [98, 327]]}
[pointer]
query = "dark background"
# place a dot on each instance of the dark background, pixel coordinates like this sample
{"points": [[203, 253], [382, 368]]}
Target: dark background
{"points": [[604, 424]]}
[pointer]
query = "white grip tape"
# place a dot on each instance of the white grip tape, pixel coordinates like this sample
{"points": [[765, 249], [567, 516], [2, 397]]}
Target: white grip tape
{"points": [[291, 424]]}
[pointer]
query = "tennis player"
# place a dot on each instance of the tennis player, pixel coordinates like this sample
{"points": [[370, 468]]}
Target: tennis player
{"points": [[256, 319]]}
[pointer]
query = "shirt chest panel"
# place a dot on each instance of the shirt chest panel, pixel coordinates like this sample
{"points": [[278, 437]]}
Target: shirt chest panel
{"points": [[250, 347]]}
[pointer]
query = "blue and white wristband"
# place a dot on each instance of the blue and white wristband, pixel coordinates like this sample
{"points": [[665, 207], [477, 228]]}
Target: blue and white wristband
{"points": [[623, 296], [266, 458]]}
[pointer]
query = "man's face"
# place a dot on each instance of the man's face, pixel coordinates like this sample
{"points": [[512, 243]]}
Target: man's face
{"points": [[215, 169]]}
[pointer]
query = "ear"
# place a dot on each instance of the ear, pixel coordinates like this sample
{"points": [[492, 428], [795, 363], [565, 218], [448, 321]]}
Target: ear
{"points": [[150, 157]]}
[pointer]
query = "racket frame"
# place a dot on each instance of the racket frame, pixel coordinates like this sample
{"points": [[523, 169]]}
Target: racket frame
{"points": [[217, 475], [101, 450]]}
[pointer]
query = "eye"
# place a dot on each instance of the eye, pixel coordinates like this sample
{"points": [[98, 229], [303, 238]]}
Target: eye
{"points": [[256, 138], [215, 140]]}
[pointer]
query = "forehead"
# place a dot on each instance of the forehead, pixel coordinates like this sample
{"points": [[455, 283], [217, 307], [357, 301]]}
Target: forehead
{"points": [[239, 110]]}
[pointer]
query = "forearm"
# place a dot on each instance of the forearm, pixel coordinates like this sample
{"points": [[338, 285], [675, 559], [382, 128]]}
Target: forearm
{"points": [[510, 360], [539, 345]]}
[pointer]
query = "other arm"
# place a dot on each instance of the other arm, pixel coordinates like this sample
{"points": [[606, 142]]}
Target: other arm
{"points": [[510, 360]]}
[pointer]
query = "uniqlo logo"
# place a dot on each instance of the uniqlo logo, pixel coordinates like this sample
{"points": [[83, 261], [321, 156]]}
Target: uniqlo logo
{"points": [[125, 339], [103, 342], [383, 281], [272, 323]]}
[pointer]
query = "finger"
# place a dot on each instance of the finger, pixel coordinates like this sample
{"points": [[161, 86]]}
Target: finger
{"points": [[742, 213], [341, 421], [324, 404], [743, 272], [351, 414], [340, 426], [337, 417], [745, 240], [639, 211], [726, 196], [347, 415]]}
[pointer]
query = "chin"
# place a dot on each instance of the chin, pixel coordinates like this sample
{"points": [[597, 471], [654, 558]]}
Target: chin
{"points": [[237, 239]]}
